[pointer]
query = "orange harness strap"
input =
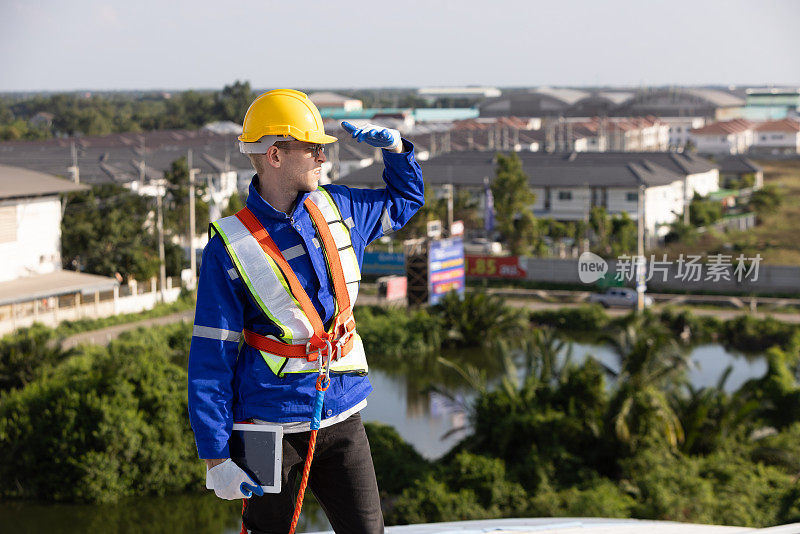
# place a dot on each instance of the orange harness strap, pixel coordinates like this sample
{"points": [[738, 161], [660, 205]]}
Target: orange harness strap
{"points": [[332, 253], [343, 323]]}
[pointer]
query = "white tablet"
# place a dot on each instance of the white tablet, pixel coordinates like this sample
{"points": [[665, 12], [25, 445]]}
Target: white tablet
{"points": [[258, 450]]}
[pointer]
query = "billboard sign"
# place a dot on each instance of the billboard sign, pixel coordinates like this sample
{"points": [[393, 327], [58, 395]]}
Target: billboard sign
{"points": [[384, 263], [445, 268]]}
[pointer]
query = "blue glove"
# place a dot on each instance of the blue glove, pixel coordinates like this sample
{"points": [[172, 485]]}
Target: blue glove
{"points": [[375, 135]]}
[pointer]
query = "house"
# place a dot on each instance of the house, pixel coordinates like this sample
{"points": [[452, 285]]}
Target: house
{"points": [[772, 103], [723, 137], [568, 185], [325, 99], [736, 172], [679, 128], [777, 137], [32, 283]]}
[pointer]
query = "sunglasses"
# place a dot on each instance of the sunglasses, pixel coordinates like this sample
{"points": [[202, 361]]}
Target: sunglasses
{"points": [[315, 149]]}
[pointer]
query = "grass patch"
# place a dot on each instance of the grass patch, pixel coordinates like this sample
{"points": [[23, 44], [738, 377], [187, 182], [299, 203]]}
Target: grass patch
{"points": [[775, 237]]}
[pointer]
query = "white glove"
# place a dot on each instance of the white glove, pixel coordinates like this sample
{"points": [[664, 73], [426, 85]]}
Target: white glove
{"points": [[229, 482], [375, 135]]}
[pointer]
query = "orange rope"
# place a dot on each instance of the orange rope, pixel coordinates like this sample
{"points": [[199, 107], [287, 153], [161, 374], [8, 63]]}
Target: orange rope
{"points": [[298, 505]]}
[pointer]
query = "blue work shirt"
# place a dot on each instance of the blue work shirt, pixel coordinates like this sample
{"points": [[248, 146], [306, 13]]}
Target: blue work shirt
{"points": [[230, 382]]}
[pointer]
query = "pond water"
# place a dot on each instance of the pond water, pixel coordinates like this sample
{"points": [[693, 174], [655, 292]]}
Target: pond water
{"points": [[422, 418]]}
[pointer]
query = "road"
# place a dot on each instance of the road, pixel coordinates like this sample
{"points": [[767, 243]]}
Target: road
{"points": [[105, 335]]}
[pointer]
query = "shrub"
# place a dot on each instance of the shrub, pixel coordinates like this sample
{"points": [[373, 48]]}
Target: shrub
{"points": [[104, 424], [397, 464], [589, 318]]}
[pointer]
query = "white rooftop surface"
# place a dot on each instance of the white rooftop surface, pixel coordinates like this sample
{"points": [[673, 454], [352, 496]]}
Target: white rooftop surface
{"points": [[53, 284], [566, 525]]}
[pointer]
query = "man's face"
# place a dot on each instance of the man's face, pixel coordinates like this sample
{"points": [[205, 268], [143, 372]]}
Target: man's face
{"points": [[300, 166]]}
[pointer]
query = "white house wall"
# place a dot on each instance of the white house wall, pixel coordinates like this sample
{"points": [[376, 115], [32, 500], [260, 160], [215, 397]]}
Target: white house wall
{"points": [[777, 140], [703, 183], [37, 248]]}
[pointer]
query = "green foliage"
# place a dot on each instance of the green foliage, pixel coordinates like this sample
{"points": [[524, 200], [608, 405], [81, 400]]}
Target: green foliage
{"points": [[176, 201], [76, 114], [101, 233], [766, 200], [477, 319], [24, 353], [690, 328], [587, 318], [397, 464], [394, 332], [105, 423], [513, 200], [704, 212], [483, 492], [623, 235], [235, 204], [751, 334], [596, 498], [69, 328]]}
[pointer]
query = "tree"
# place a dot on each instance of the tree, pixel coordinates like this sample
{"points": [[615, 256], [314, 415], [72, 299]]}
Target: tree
{"points": [[703, 212], [101, 233], [649, 363], [234, 205], [513, 200], [232, 103], [176, 214], [624, 234]]}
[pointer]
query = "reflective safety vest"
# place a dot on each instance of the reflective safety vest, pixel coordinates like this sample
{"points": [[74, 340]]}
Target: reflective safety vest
{"points": [[303, 343]]}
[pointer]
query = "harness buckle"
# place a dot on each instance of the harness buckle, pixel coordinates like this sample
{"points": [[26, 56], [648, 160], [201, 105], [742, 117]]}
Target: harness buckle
{"points": [[323, 365], [313, 355]]}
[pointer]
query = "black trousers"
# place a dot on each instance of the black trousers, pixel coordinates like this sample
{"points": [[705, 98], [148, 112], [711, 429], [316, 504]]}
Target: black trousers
{"points": [[342, 479]]}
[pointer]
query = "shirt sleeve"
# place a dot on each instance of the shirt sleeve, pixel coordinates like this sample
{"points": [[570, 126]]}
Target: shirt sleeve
{"points": [[378, 212], [218, 324]]}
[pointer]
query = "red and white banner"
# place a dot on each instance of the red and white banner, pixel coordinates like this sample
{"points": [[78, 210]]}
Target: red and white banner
{"points": [[494, 267]]}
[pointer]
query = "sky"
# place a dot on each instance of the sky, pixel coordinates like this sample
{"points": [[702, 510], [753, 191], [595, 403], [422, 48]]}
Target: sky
{"points": [[50, 45]]}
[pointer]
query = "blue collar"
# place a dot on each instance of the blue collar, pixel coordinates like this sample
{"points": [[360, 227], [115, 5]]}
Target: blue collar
{"points": [[263, 209]]}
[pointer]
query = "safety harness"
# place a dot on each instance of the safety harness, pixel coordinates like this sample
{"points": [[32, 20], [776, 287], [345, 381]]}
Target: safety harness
{"points": [[324, 346], [340, 338]]}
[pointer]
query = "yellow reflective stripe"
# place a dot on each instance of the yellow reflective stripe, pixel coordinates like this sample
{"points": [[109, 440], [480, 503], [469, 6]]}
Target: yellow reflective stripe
{"points": [[285, 331]]}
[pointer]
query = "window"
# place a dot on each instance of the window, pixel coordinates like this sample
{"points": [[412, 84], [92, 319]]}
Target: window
{"points": [[8, 224], [565, 195], [632, 197]]}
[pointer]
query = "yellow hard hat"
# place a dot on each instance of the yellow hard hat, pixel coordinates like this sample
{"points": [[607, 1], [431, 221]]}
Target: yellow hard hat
{"points": [[284, 112]]}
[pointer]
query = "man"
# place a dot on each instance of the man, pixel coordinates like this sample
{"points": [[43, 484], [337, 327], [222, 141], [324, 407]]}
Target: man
{"points": [[283, 274]]}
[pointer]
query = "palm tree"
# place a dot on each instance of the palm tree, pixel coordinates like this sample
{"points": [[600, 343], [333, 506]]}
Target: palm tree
{"points": [[650, 364], [709, 415], [477, 319]]}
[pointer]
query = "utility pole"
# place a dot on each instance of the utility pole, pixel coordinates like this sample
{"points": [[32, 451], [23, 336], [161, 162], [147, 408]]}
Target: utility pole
{"points": [[162, 270], [76, 173], [192, 257], [640, 263]]}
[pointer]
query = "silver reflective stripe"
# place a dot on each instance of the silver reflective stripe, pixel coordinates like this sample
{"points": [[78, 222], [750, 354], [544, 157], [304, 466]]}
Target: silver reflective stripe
{"points": [[233, 274], [315, 241], [349, 222], [293, 252], [219, 334], [340, 234], [256, 267], [386, 222], [330, 213], [355, 360]]}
